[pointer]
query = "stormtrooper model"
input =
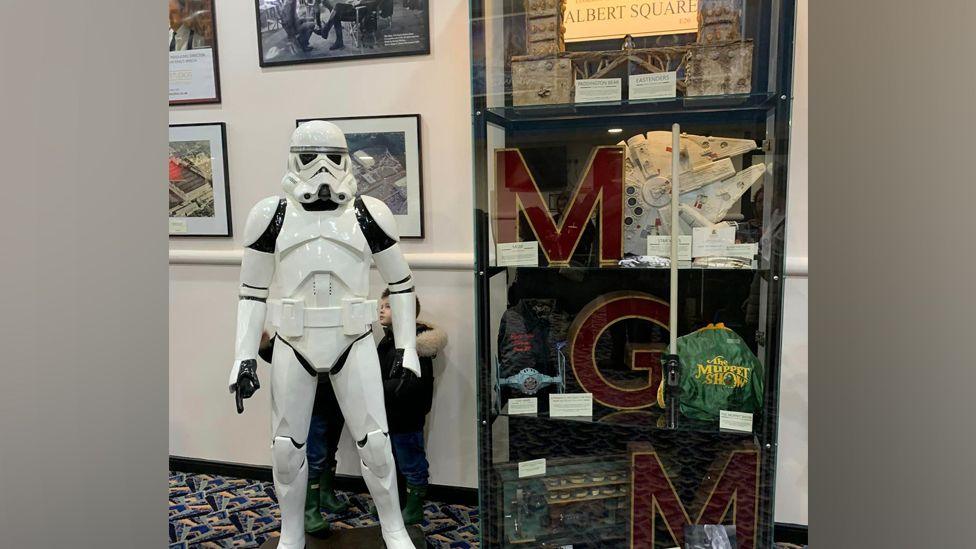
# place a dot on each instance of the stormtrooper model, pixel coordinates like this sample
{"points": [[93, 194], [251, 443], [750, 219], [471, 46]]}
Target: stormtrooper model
{"points": [[318, 239]]}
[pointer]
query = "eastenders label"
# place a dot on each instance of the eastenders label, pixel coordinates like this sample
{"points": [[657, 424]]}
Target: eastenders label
{"points": [[598, 89], [660, 85]]}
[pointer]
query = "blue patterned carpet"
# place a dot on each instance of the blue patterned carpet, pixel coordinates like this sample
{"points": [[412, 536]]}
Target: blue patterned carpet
{"points": [[207, 511]]}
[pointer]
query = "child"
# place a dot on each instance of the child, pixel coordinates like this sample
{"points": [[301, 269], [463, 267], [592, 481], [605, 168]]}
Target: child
{"points": [[408, 400]]}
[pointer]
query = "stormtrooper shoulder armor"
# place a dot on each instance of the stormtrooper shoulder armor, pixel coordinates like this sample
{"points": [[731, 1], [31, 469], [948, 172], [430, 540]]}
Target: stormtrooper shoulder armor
{"points": [[264, 223], [377, 223]]}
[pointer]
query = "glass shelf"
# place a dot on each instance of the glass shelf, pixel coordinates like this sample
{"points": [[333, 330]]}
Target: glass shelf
{"points": [[646, 420], [494, 270], [680, 106]]}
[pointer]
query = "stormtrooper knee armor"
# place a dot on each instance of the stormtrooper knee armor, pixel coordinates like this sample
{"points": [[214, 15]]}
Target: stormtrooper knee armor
{"points": [[290, 470]]}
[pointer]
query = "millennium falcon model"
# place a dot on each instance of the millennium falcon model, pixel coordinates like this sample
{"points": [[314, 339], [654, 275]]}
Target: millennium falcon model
{"points": [[708, 182]]}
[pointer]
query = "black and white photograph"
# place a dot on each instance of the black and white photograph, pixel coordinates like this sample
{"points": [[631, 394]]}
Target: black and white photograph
{"points": [[309, 31], [193, 73], [386, 158], [199, 201]]}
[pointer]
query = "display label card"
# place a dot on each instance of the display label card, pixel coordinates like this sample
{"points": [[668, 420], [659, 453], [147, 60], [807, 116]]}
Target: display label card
{"points": [[571, 405], [658, 85], [518, 254], [746, 251], [177, 226], [735, 421], [533, 468], [709, 242], [191, 75], [518, 406], [598, 89], [661, 246]]}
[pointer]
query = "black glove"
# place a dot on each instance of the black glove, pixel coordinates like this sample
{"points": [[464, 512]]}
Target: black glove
{"points": [[247, 382]]}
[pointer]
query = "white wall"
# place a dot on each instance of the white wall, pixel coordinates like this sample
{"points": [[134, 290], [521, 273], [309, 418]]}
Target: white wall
{"points": [[260, 107]]}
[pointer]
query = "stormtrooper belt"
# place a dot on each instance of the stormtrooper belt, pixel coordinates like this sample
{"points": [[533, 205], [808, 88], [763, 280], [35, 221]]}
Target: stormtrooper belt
{"points": [[290, 317]]}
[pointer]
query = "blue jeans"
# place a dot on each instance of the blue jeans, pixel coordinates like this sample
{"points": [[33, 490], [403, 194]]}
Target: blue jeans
{"points": [[323, 441], [411, 460]]}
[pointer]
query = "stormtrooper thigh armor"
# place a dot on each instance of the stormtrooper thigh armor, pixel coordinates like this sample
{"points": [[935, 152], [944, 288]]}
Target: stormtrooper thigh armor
{"points": [[316, 243]]}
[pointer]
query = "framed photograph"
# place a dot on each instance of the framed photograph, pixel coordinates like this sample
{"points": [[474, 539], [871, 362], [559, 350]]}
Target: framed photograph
{"points": [[199, 195], [312, 31], [386, 158], [193, 74]]}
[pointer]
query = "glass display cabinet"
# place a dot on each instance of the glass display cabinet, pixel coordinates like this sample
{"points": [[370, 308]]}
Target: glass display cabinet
{"points": [[628, 350]]}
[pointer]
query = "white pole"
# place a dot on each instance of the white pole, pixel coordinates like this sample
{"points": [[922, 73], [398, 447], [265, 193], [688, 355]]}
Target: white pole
{"points": [[675, 234]]}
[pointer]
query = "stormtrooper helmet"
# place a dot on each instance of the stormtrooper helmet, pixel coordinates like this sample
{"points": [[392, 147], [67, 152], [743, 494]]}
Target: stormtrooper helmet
{"points": [[319, 168]]}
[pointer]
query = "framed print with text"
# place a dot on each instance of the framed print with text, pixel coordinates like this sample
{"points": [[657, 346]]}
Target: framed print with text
{"points": [[386, 159], [312, 31], [199, 193], [193, 75]]}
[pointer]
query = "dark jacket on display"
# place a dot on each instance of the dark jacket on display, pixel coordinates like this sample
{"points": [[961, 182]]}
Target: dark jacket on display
{"points": [[524, 341], [408, 399]]}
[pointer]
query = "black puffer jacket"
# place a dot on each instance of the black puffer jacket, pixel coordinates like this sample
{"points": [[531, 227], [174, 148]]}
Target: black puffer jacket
{"points": [[408, 399]]}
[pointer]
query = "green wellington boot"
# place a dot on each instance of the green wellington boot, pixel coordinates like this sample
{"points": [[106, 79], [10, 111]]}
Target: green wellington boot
{"points": [[314, 522], [413, 511], [328, 501]]}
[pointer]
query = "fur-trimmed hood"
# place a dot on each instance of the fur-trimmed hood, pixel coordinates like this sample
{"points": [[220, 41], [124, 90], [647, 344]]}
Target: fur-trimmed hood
{"points": [[431, 341]]}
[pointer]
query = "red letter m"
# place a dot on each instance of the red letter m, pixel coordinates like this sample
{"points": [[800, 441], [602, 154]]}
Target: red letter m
{"points": [[735, 487], [601, 184]]}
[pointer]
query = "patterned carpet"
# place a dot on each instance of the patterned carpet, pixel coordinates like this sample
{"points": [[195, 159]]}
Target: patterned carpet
{"points": [[207, 511]]}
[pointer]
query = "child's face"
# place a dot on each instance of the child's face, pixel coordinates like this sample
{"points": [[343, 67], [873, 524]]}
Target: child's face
{"points": [[386, 315]]}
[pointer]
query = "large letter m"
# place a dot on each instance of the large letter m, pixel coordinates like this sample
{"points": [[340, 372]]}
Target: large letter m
{"points": [[733, 488], [601, 184]]}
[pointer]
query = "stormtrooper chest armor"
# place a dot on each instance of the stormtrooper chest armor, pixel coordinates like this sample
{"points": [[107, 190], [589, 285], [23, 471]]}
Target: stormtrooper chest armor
{"points": [[322, 256]]}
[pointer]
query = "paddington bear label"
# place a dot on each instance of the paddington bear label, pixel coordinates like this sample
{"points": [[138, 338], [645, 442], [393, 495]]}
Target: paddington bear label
{"points": [[518, 254], [571, 405], [659, 85], [519, 406], [735, 421], [533, 468], [598, 89]]}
